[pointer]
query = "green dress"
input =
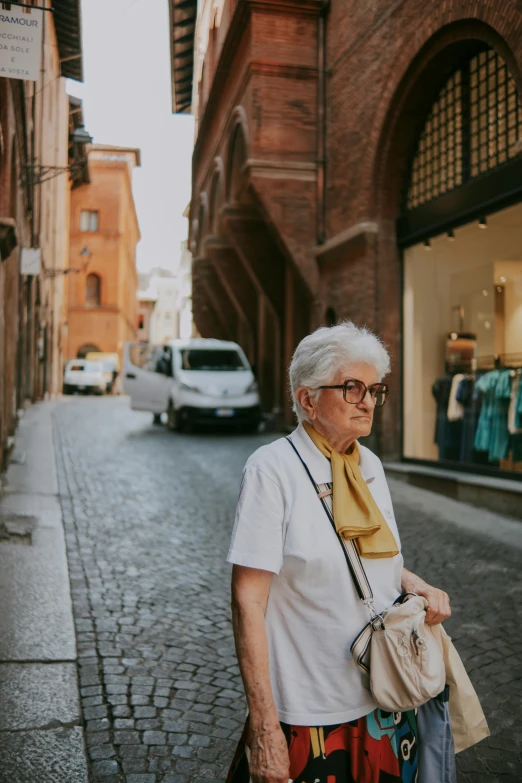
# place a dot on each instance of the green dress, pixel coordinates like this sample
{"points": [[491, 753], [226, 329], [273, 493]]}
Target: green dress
{"points": [[500, 439], [486, 386]]}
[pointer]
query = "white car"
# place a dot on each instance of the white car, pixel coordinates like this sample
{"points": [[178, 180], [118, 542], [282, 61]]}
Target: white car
{"points": [[84, 376], [197, 381]]}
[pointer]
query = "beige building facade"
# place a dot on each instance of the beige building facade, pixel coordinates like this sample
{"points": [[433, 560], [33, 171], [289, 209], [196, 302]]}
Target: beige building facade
{"points": [[36, 153]]}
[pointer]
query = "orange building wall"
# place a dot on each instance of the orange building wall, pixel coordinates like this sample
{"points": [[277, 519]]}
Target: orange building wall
{"points": [[113, 258]]}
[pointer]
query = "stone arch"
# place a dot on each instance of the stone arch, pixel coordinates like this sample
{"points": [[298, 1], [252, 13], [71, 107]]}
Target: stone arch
{"points": [[217, 197], [238, 153], [85, 349]]}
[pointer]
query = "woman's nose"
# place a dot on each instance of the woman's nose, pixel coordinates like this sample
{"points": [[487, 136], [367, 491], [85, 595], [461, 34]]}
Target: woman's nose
{"points": [[368, 401]]}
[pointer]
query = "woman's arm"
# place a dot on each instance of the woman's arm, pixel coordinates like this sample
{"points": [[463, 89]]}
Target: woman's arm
{"points": [[438, 601], [269, 762]]}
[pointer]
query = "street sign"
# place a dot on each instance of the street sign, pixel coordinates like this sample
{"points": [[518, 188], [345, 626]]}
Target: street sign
{"points": [[20, 42], [30, 261]]}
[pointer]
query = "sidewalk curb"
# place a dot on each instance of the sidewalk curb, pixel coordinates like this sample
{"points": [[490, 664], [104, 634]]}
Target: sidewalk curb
{"points": [[41, 726]]}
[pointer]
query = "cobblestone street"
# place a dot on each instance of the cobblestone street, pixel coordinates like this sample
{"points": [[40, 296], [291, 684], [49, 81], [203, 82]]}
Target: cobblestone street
{"points": [[148, 515]]}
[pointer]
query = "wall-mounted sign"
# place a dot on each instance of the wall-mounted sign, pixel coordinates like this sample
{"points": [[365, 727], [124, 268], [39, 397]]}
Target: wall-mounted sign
{"points": [[30, 260], [20, 42]]}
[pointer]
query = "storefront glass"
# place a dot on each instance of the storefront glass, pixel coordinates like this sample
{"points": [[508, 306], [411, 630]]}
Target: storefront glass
{"points": [[463, 345]]}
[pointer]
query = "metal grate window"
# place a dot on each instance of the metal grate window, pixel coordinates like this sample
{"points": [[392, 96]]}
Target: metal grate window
{"points": [[495, 113], [473, 127]]}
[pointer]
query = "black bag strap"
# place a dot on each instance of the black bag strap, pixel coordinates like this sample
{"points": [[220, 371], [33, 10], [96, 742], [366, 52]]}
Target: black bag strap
{"points": [[351, 554]]}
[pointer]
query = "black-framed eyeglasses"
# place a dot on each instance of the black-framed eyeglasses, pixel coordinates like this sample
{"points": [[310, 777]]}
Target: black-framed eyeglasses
{"points": [[355, 391]]}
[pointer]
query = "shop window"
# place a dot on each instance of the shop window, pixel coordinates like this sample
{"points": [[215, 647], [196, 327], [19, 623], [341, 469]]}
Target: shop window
{"points": [[473, 127], [93, 291], [463, 345], [462, 306], [89, 220]]}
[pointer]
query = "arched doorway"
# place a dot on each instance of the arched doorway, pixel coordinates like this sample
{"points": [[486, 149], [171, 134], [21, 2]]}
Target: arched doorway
{"points": [[85, 349], [460, 232]]}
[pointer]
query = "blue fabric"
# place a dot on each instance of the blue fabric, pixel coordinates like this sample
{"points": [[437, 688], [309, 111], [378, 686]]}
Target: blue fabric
{"points": [[448, 434], [500, 441], [436, 746], [518, 409], [470, 398], [486, 387]]}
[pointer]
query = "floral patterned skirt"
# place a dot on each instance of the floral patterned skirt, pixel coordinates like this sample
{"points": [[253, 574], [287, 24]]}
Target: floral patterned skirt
{"points": [[378, 748]]}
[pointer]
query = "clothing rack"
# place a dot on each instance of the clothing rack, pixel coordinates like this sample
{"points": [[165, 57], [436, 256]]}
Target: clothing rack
{"points": [[508, 361], [502, 361]]}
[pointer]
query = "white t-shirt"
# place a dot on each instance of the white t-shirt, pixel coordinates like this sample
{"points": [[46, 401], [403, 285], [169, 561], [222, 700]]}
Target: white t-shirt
{"points": [[313, 612]]}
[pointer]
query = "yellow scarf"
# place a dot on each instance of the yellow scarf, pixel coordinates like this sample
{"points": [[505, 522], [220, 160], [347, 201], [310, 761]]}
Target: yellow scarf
{"points": [[356, 514]]}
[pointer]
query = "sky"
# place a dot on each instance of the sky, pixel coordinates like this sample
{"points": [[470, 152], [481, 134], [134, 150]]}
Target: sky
{"points": [[127, 101]]}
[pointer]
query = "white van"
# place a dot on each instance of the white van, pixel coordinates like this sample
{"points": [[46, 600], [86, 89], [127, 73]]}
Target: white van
{"points": [[196, 381]]}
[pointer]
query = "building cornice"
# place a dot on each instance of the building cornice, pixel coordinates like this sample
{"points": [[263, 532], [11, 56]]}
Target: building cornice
{"points": [[353, 239]]}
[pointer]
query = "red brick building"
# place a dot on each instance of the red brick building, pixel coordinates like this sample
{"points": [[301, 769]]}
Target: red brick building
{"points": [[337, 143]]}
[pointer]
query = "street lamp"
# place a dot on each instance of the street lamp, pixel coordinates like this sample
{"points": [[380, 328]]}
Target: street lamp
{"points": [[80, 135], [85, 254]]}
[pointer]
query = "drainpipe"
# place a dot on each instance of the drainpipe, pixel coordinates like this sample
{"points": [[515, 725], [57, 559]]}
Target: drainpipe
{"points": [[321, 124]]}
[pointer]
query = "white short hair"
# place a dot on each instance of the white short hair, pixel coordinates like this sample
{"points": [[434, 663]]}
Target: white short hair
{"points": [[319, 357]]}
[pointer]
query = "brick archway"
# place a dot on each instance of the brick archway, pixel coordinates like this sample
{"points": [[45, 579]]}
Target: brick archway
{"points": [[237, 157], [414, 94], [217, 198], [401, 123]]}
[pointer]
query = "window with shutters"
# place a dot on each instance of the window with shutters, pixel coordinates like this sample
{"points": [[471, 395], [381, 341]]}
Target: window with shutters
{"points": [[89, 220]]}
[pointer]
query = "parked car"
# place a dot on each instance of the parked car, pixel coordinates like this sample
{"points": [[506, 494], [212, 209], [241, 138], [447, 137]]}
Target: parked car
{"points": [[111, 368], [84, 376], [199, 381]]}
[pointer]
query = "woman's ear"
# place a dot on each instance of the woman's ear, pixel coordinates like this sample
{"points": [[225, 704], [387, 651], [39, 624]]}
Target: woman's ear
{"points": [[306, 401]]}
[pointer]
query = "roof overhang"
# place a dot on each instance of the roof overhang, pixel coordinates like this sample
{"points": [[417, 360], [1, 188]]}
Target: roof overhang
{"points": [[68, 26], [182, 19]]}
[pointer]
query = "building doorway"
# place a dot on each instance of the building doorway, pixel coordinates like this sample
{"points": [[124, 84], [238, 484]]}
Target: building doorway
{"points": [[87, 348]]}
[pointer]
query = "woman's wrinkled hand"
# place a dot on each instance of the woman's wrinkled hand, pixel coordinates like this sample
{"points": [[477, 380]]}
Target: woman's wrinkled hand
{"points": [[269, 759], [438, 608], [438, 601]]}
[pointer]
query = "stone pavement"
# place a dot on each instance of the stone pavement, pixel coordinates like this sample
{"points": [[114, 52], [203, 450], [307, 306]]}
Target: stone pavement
{"points": [[148, 516], [41, 737]]}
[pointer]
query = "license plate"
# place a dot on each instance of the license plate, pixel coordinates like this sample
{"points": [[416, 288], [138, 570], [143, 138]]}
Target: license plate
{"points": [[225, 413]]}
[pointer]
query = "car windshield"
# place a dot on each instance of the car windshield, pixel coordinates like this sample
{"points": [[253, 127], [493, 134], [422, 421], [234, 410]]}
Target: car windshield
{"points": [[205, 359]]}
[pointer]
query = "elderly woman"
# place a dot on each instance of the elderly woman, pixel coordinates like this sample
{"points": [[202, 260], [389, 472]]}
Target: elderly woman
{"points": [[295, 607]]}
